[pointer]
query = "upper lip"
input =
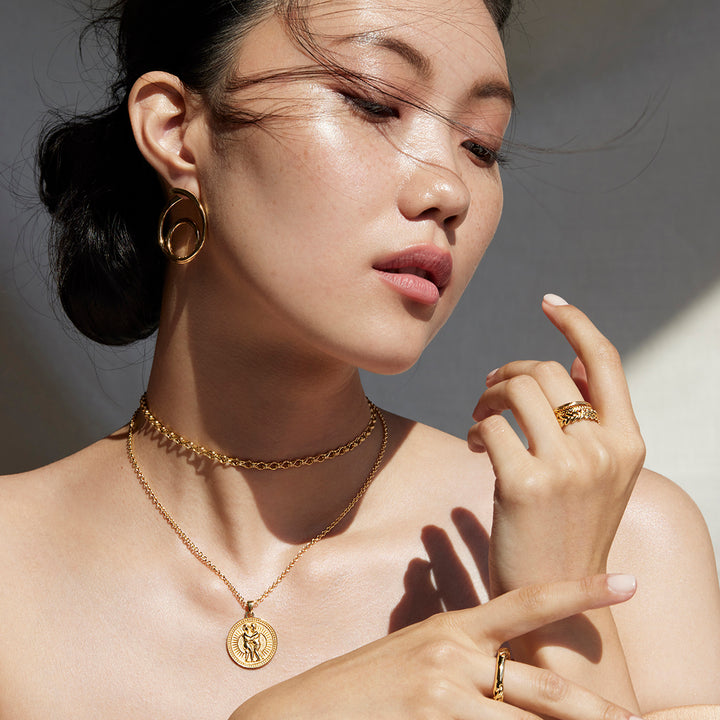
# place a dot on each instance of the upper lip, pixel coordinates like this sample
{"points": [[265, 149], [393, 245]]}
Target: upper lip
{"points": [[432, 260]]}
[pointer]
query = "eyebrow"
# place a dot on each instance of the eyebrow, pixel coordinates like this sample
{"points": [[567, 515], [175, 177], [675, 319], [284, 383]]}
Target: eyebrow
{"points": [[494, 89], [491, 89]]}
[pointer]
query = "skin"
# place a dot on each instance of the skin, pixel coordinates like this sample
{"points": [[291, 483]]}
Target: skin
{"points": [[111, 616]]}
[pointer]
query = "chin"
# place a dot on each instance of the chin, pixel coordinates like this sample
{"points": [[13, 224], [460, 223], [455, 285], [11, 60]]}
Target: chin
{"points": [[390, 363]]}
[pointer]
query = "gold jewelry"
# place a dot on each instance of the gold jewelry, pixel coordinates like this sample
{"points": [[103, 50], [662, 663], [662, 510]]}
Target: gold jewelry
{"points": [[251, 642], [503, 654], [574, 411], [259, 464], [165, 234]]}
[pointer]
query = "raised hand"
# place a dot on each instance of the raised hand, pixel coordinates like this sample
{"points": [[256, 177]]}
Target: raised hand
{"points": [[559, 501], [444, 667]]}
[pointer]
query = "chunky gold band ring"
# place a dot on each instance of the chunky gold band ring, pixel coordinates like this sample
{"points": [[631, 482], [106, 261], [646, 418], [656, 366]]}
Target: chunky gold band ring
{"points": [[575, 411], [503, 654]]}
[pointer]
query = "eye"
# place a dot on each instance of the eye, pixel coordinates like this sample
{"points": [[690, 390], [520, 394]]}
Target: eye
{"points": [[484, 156], [370, 109]]}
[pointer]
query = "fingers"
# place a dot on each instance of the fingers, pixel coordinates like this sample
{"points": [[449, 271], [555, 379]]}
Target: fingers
{"points": [[531, 389], [546, 693], [529, 608], [551, 377], [579, 375], [606, 385]]}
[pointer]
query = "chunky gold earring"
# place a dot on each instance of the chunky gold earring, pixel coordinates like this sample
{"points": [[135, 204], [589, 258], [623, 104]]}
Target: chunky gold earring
{"points": [[165, 233]]}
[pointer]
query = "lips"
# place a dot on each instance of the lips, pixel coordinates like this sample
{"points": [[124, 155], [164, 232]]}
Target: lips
{"points": [[419, 273]]}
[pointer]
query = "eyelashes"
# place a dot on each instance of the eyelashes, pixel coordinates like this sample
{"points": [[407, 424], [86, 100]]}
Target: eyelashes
{"points": [[485, 155], [378, 112], [372, 110]]}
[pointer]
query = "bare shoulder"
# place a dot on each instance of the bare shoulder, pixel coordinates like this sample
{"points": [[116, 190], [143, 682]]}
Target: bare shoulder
{"points": [[662, 523], [432, 452], [663, 540], [40, 508]]}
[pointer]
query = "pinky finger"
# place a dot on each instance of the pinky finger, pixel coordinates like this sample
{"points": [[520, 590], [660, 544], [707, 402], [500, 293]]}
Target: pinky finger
{"points": [[496, 435]]}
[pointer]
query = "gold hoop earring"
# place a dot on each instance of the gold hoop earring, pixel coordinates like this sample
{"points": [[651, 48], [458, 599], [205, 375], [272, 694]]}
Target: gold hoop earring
{"points": [[165, 235]]}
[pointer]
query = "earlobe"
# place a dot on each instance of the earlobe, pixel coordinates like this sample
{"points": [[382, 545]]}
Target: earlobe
{"points": [[160, 113]]}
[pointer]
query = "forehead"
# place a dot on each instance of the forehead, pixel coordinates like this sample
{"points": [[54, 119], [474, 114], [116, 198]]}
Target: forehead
{"points": [[430, 35], [446, 31]]}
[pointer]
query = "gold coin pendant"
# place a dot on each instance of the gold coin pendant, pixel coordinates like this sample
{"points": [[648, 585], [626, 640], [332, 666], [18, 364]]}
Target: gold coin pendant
{"points": [[251, 642]]}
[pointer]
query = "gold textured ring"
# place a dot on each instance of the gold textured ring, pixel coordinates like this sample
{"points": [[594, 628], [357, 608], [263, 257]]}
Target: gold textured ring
{"points": [[503, 654], [575, 411]]}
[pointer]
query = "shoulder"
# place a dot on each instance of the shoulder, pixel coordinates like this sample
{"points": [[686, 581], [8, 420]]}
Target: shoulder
{"points": [[42, 508], [662, 522], [435, 454], [671, 628], [439, 481]]}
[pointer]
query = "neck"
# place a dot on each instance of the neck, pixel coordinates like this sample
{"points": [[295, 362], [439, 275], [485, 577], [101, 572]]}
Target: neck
{"points": [[259, 404]]}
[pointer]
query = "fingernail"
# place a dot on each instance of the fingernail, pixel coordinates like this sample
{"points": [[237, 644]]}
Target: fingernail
{"points": [[554, 300], [635, 717], [490, 375], [622, 584]]}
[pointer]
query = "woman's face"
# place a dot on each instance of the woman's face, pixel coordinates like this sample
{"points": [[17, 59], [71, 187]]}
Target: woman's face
{"points": [[349, 223]]}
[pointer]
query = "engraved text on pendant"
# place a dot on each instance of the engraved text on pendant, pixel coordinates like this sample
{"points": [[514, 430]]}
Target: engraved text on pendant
{"points": [[251, 642]]}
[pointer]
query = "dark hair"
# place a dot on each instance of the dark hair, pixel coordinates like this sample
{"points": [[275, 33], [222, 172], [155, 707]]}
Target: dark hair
{"points": [[103, 197]]}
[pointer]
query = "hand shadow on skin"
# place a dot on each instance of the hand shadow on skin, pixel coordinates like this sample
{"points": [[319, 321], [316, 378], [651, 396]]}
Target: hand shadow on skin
{"points": [[442, 582]]}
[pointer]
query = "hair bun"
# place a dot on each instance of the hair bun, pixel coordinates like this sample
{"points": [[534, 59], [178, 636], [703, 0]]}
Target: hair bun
{"points": [[103, 199]]}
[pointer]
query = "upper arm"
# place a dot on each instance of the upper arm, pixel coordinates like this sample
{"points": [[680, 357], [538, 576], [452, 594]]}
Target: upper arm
{"points": [[671, 628]]}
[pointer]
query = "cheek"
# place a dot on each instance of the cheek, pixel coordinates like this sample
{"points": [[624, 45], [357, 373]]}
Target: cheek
{"points": [[481, 223], [312, 171]]}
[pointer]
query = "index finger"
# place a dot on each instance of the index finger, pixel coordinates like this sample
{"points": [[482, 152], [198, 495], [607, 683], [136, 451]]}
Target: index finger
{"points": [[529, 608], [607, 387]]}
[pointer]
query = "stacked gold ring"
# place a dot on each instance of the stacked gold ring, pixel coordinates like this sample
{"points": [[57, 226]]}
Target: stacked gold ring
{"points": [[503, 654], [574, 412]]}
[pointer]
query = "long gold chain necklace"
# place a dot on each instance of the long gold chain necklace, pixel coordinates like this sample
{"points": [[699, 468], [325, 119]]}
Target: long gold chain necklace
{"points": [[178, 439], [252, 642]]}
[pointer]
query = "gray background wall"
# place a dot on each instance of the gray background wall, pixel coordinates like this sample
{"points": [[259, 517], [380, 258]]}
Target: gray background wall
{"points": [[626, 226]]}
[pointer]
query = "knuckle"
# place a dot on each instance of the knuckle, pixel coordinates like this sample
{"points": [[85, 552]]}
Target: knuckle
{"points": [[519, 387], [601, 458], [567, 467], [493, 424], [532, 597], [635, 447], [438, 653], [613, 712], [549, 369], [588, 587], [440, 693], [606, 353], [551, 687]]}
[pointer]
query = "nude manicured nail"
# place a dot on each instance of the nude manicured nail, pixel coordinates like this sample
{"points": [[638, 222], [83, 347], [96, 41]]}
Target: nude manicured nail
{"points": [[555, 300], [490, 375], [622, 584]]}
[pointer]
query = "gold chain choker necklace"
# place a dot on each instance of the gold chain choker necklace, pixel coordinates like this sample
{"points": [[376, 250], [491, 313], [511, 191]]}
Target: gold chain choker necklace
{"points": [[178, 439], [251, 642]]}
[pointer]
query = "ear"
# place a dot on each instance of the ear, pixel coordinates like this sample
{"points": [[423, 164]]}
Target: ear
{"points": [[161, 115]]}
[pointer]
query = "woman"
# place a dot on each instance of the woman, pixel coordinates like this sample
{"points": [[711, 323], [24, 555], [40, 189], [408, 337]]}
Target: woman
{"points": [[326, 179]]}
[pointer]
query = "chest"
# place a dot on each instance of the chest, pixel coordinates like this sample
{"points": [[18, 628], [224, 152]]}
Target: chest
{"points": [[122, 641]]}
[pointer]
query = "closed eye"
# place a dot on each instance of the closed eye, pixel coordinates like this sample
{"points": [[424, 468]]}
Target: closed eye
{"points": [[370, 109], [484, 156]]}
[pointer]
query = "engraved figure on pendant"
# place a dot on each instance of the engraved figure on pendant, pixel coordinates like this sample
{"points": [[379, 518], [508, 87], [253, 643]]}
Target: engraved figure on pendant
{"points": [[251, 643]]}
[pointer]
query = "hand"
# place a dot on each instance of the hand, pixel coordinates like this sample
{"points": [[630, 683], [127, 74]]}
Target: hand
{"points": [[443, 668], [559, 502]]}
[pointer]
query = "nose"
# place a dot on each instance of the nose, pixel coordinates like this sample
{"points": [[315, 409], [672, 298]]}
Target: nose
{"points": [[433, 190]]}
